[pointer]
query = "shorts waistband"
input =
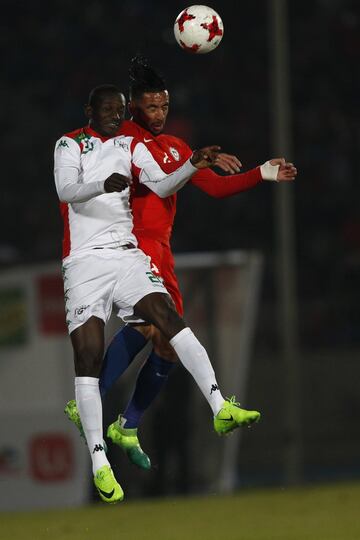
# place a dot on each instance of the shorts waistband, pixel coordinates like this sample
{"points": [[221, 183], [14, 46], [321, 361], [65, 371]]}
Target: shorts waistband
{"points": [[124, 246]]}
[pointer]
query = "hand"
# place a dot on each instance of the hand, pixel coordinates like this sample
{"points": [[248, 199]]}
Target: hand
{"points": [[205, 157], [228, 163], [287, 171], [116, 182]]}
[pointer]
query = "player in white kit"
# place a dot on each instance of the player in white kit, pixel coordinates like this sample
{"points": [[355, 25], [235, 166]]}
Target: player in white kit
{"points": [[102, 266]]}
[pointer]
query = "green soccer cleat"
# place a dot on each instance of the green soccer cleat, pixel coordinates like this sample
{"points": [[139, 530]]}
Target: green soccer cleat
{"points": [[71, 411], [127, 440], [109, 489], [231, 416]]}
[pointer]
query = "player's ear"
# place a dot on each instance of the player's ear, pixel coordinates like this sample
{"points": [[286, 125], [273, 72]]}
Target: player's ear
{"points": [[131, 107], [88, 111]]}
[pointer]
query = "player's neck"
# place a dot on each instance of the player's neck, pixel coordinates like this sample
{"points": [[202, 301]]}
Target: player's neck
{"points": [[146, 132], [88, 130]]}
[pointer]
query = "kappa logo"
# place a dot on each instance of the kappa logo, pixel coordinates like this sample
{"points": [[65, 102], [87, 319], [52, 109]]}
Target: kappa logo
{"points": [[214, 387], [98, 448], [63, 144]]}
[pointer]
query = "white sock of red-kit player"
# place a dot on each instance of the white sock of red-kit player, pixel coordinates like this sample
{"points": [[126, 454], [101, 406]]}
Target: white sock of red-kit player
{"points": [[195, 359], [89, 405]]}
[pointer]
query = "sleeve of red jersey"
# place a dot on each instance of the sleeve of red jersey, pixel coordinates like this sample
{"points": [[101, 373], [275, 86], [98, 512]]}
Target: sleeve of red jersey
{"points": [[150, 174], [224, 186]]}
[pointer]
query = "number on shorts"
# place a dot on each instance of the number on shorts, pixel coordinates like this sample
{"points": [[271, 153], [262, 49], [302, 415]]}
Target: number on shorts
{"points": [[153, 278]]}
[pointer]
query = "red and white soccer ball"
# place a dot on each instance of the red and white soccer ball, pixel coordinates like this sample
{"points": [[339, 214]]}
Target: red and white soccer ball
{"points": [[198, 29]]}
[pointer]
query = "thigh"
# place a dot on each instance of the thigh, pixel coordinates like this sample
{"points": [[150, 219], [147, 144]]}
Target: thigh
{"points": [[138, 282], [159, 310], [89, 282], [162, 346], [162, 265], [170, 279]]}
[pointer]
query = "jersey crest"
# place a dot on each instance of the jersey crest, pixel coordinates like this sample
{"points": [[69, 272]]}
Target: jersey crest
{"points": [[83, 140], [175, 154]]}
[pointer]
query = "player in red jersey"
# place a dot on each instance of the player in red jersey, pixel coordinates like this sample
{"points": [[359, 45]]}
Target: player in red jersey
{"points": [[153, 222]]}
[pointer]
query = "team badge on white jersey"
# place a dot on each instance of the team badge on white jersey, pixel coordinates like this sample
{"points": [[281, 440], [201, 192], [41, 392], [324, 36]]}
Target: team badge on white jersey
{"points": [[121, 144]]}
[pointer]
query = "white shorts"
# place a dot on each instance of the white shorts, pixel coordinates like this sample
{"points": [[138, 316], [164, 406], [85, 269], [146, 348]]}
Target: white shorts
{"points": [[97, 280]]}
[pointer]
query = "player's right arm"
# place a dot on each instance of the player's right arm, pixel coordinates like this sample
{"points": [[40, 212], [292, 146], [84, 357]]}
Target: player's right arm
{"points": [[69, 187]]}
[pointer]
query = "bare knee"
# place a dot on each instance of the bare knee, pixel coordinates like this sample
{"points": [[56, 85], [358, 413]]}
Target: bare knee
{"points": [[158, 309], [144, 329], [88, 361], [162, 346]]}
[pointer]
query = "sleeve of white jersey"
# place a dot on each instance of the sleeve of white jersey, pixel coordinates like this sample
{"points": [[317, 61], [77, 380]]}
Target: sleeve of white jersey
{"points": [[69, 187], [155, 178]]}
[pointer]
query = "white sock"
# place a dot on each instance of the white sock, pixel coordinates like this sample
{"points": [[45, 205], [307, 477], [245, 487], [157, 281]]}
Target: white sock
{"points": [[89, 405], [195, 359]]}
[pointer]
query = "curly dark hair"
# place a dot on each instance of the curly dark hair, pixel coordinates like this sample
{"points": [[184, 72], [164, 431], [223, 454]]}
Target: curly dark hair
{"points": [[143, 78]]}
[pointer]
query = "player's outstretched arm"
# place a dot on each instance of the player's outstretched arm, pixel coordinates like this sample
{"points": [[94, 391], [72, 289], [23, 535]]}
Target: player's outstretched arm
{"points": [[151, 174], [276, 170], [211, 156]]}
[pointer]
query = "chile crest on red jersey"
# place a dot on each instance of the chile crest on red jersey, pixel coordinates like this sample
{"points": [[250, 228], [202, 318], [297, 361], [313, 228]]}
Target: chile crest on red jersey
{"points": [[169, 151]]}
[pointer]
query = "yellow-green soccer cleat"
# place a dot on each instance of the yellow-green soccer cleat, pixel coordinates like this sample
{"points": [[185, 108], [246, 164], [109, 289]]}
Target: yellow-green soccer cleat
{"points": [[109, 489], [231, 416], [71, 411], [127, 440]]}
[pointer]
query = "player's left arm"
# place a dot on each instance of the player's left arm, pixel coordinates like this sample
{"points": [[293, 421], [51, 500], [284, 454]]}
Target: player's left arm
{"points": [[276, 170], [150, 173]]}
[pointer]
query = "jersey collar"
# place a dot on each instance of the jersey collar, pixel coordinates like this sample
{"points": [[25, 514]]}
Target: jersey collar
{"points": [[92, 133], [143, 131]]}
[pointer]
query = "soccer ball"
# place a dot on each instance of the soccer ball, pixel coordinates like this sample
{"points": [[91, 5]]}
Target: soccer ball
{"points": [[198, 29]]}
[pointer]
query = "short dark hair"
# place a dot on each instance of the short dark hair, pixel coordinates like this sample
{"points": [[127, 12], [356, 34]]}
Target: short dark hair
{"points": [[143, 78], [98, 93]]}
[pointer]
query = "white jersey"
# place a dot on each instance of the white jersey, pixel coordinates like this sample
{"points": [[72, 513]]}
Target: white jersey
{"points": [[93, 218]]}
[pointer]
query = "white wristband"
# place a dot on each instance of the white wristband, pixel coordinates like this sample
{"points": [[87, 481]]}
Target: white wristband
{"points": [[269, 172]]}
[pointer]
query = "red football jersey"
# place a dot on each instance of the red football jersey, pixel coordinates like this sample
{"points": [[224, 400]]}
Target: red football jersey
{"points": [[153, 216]]}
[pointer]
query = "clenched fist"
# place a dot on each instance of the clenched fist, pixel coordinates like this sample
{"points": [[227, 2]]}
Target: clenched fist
{"points": [[116, 182]]}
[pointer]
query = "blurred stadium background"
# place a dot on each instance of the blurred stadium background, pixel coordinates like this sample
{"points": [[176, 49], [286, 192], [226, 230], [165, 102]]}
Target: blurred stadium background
{"points": [[258, 95]]}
